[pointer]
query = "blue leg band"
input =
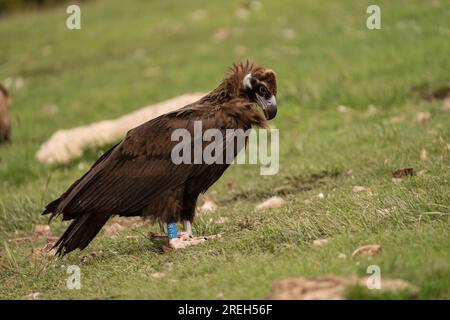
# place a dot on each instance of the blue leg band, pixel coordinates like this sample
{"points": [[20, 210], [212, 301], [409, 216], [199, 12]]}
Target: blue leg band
{"points": [[172, 230]]}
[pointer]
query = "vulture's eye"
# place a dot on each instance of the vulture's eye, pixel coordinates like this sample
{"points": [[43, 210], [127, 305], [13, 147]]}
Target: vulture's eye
{"points": [[263, 90]]}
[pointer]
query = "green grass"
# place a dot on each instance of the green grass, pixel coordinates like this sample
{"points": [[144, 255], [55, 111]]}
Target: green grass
{"points": [[127, 56]]}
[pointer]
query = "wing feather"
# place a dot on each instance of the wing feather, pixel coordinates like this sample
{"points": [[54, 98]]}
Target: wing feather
{"points": [[140, 168]]}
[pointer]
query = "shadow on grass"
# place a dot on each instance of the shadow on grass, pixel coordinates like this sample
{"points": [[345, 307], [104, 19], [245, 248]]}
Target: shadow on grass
{"points": [[289, 185]]}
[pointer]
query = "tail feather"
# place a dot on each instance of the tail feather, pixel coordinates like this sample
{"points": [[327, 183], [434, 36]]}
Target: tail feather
{"points": [[85, 225], [58, 206], [80, 232], [52, 208]]}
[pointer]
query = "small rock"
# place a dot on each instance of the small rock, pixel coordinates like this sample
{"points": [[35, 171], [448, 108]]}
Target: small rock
{"points": [[342, 109], [367, 250], [320, 242], [330, 287], [42, 230], [446, 105], [113, 229], [423, 155], [19, 83], [32, 296], [158, 275], [360, 189], [271, 203], [208, 205], [423, 116]]}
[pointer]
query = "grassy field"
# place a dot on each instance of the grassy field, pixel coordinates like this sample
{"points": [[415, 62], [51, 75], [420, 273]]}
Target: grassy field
{"points": [[127, 56]]}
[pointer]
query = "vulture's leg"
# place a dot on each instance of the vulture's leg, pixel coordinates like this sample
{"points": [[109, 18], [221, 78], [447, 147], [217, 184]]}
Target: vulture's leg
{"points": [[187, 227], [188, 231], [185, 239], [172, 232]]}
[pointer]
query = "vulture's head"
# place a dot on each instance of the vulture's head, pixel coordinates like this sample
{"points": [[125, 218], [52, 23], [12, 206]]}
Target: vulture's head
{"points": [[254, 84], [260, 86]]}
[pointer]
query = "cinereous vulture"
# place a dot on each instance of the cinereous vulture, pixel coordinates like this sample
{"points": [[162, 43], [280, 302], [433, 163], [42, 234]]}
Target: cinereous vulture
{"points": [[138, 177]]}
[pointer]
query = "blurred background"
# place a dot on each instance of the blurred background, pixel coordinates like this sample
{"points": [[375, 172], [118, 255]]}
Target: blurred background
{"points": [[126, 56], [354, 105]]}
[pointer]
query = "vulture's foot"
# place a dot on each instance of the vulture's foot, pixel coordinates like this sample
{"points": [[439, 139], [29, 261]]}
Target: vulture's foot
{"points": [[181, 240], [184, 240]]}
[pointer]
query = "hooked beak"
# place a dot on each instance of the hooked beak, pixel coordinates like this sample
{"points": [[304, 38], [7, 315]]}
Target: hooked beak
{"points": [[269, 106]]}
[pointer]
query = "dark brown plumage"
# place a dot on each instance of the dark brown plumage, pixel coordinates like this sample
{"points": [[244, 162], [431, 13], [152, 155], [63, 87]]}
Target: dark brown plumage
{"points": [[137, 176], [5, 119]]}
